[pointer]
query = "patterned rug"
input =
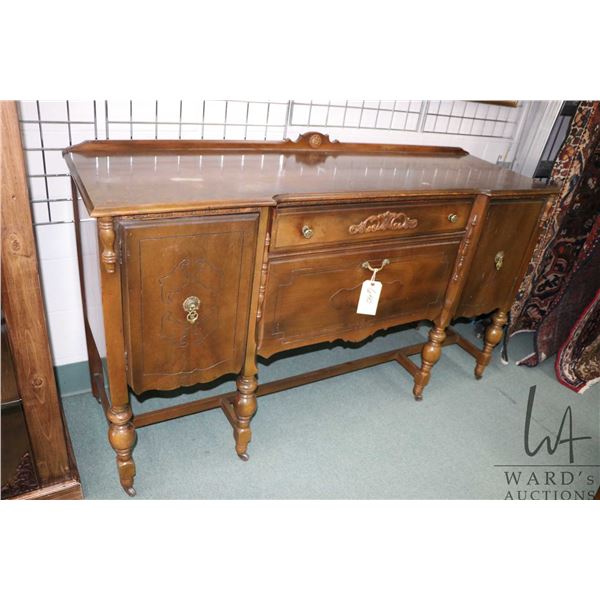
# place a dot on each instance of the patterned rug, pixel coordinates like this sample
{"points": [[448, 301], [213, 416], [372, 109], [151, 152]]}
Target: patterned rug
{"points": [[564, 274], [578, 361]]}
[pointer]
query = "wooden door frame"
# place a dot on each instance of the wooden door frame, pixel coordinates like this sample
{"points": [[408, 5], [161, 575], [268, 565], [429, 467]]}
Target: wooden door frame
{"points": [[23, 307]]}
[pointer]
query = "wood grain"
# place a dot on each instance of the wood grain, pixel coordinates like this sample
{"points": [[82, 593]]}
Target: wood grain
{"points": [[322, 209], [155, 176], [24, 310]]}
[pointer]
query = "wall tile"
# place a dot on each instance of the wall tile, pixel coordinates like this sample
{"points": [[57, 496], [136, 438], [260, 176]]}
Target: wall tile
{"points": [[60, 280], [56, 241], [55, 135], [236, 112], [81, 111], [277, 114], [118, 110], [59, 188], [168, 111], [61, 211], [53, 111], [40, 212], [67, 337], [215, 111], [257, 114]]}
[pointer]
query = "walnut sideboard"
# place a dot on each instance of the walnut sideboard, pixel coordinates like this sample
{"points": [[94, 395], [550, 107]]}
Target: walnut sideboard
{"points": [[207, 254]]}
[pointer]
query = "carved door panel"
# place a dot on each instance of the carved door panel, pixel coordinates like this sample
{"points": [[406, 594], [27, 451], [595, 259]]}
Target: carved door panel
{"points": [[314, 298], [506, 242], [186, 296]]}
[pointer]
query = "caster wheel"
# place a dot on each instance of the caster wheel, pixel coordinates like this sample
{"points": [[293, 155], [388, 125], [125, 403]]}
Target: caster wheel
{"points": [[418, 398], [244, 457], [130, 491], [478, 377]]}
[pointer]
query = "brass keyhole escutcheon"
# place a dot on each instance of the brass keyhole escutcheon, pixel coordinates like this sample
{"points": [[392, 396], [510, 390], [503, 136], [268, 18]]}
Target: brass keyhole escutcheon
{"points": [[307, 231], [191, 305], [499, 259], [452, 218]]}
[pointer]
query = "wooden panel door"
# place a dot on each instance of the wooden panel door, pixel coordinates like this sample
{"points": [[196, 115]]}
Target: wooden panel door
{"points": [[504, 249], [186, 296]]}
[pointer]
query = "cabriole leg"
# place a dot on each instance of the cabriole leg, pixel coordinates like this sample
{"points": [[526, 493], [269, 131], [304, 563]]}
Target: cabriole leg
{"points": [[244, 407], [493, 335], [430, 354]]}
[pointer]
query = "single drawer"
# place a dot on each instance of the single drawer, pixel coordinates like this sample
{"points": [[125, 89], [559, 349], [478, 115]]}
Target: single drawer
{"points": [[314, 298], [306, 226], [186, 297]]}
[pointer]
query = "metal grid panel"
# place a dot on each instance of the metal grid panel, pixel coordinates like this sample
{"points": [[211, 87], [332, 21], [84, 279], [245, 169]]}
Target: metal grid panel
{"points": [[459, 117], [48, 127], [392, 115]]}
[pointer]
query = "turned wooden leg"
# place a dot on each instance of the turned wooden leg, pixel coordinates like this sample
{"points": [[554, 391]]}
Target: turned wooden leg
{"points": [[493, 335], [244, 407], [430, 354], [121, 435]]}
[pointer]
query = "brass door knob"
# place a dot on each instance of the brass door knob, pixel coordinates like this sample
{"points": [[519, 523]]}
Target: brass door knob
{"points": [[191, 305], [307, 231], [452, 218]]}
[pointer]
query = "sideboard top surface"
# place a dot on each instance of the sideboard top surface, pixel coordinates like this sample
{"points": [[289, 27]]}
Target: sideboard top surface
{"points": [[134, 177]]}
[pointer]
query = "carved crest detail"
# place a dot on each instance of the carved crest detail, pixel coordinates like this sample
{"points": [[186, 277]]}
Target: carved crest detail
{"points": [[383, 222]]}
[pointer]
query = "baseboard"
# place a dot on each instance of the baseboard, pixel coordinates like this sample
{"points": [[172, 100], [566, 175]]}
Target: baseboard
{"points": [[73, 379], [65, 490]]}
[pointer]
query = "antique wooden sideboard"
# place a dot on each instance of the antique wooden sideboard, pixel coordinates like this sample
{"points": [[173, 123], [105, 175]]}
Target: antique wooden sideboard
{"points": [[211, 253]]}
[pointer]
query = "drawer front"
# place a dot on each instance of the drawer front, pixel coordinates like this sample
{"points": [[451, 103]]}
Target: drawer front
{"points": [[206, 261], [504, 249], [314, 299], [304, 227]]}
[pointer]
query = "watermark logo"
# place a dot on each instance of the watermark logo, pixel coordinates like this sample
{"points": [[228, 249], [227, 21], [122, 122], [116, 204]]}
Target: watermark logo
{"points": [[568, 481]]}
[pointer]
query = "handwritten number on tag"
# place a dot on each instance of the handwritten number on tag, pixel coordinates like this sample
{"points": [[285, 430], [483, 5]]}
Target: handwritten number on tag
{"points": [[369, 297]]}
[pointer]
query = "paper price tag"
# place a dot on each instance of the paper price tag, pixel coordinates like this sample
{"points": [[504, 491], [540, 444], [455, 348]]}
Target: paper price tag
{"points": [[369, 297]]}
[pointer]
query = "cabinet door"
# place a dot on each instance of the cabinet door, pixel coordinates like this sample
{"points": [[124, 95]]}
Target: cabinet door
{"points": [[504, 249], [314, 298], [186, 295]]}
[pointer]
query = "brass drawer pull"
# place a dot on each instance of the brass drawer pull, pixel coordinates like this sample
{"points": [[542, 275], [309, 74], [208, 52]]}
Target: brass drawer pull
{"points": [[452, 217], [374, 270], [307, 231], [191, 306], [499, 259]]}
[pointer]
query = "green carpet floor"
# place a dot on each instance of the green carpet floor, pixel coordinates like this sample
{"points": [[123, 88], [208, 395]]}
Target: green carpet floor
{"points": [[360, 435]]}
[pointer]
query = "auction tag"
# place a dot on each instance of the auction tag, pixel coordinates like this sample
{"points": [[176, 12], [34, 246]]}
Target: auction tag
{"points": [[369, 297]]}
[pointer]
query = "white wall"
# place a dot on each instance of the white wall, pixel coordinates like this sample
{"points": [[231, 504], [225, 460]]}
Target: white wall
{"points": [[496, 134]]}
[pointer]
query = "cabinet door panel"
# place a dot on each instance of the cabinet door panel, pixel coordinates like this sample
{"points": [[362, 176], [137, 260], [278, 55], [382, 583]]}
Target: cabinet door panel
{"points": [[504, 246], [314, 298], [168, 261]]}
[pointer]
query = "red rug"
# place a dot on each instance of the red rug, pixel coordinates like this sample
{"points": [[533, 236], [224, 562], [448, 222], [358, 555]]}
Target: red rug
{"points": [[556, 298]]}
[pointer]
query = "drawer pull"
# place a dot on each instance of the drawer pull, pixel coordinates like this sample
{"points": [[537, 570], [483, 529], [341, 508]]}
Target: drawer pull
{"points": [[499, 259], [383, 222], [307, 231], [375, 270], [191, 305], [452, 217]]}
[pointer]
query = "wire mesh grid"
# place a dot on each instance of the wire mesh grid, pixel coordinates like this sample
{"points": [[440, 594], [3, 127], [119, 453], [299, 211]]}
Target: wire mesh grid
{"points": [[392, 115], [48, 127], [460, 117]]}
